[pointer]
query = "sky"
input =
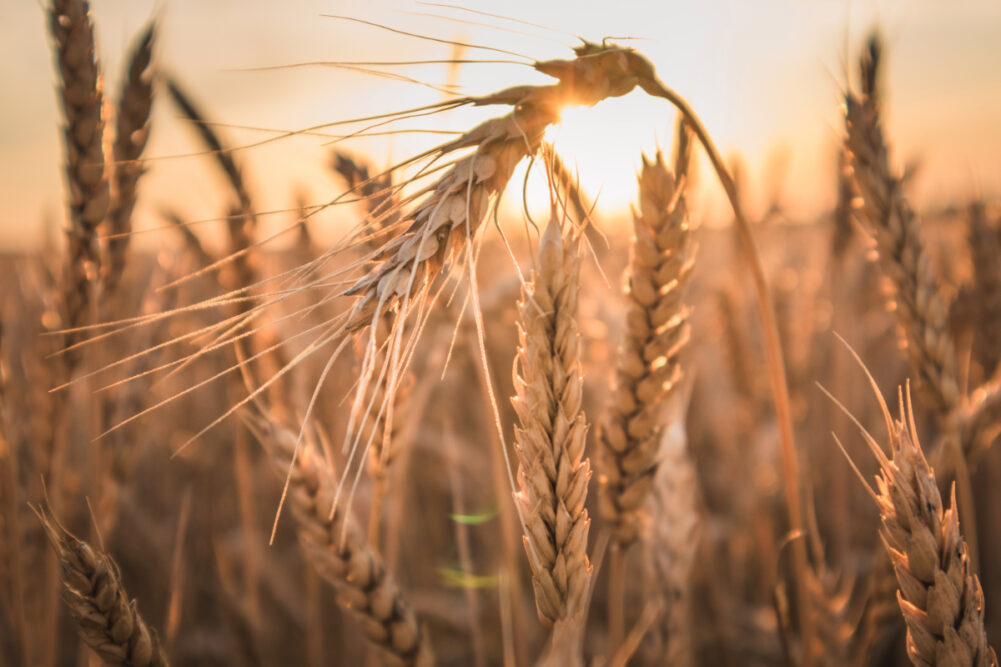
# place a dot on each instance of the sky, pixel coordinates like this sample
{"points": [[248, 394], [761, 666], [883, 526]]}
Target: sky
{"points": [[766, 77]]}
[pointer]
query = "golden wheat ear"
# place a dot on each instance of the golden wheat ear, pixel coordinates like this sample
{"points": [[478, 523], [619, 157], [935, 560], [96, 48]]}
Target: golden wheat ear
{"points": [[107, 621], [338, 551], [649, 366], [939, 594], [88, 198], [916, 299], [553, 473]]}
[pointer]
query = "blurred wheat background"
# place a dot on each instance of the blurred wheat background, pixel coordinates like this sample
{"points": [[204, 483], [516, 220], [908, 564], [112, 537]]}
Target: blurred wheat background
{"points": [[191, 475]]}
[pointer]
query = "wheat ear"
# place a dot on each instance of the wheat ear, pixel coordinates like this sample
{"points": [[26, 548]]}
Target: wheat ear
{"points": [[649, 368], [552, 471], [919, 307], [131, 132], [438, 227], [939, 596], [86, 174], [339, 553], [92, 589], [656, 329]]}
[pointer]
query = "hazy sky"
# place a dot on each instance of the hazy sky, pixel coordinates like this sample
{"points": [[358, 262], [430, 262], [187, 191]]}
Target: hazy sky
{"points": [[765, 76]]}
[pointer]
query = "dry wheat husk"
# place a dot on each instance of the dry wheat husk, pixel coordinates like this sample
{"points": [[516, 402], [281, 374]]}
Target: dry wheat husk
{"points": [[437, 228]]}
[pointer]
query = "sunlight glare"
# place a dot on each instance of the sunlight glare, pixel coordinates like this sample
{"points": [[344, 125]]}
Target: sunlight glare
{"points": [[602, 145]]}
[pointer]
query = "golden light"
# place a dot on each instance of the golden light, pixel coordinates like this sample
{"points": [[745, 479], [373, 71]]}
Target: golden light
{"points": [[602, 146]]}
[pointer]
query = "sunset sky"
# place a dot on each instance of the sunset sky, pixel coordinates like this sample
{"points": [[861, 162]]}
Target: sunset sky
{"points": [[765, 76]]}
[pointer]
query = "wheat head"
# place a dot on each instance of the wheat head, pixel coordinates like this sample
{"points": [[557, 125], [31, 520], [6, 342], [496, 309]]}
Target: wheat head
{"points": [[939, 596], [553, 473], [919, 307], [339, 553], [656, 330], [107, 620], [86, 174]]}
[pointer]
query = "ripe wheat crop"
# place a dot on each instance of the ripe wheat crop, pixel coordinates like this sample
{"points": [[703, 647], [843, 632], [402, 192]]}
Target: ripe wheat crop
{"points": [[249, 442]]}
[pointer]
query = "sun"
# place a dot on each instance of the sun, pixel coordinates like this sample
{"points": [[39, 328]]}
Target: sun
{"points": [[603, 146]]}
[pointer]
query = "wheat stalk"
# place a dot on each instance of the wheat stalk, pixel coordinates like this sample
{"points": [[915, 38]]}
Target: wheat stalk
{"points": [[92, 589], [649, 366], [86, 175], [656, 330], [131, 132], [939, 595], [339, 553], [916, 300], [553, 473]]}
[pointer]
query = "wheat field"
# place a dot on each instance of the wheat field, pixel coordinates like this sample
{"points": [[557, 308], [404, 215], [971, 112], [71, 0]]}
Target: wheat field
{"points": [[442, 408]]}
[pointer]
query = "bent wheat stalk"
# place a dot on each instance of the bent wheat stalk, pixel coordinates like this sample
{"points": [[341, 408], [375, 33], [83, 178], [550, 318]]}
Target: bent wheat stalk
{"points": [[92, 589], [552, 473]]}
